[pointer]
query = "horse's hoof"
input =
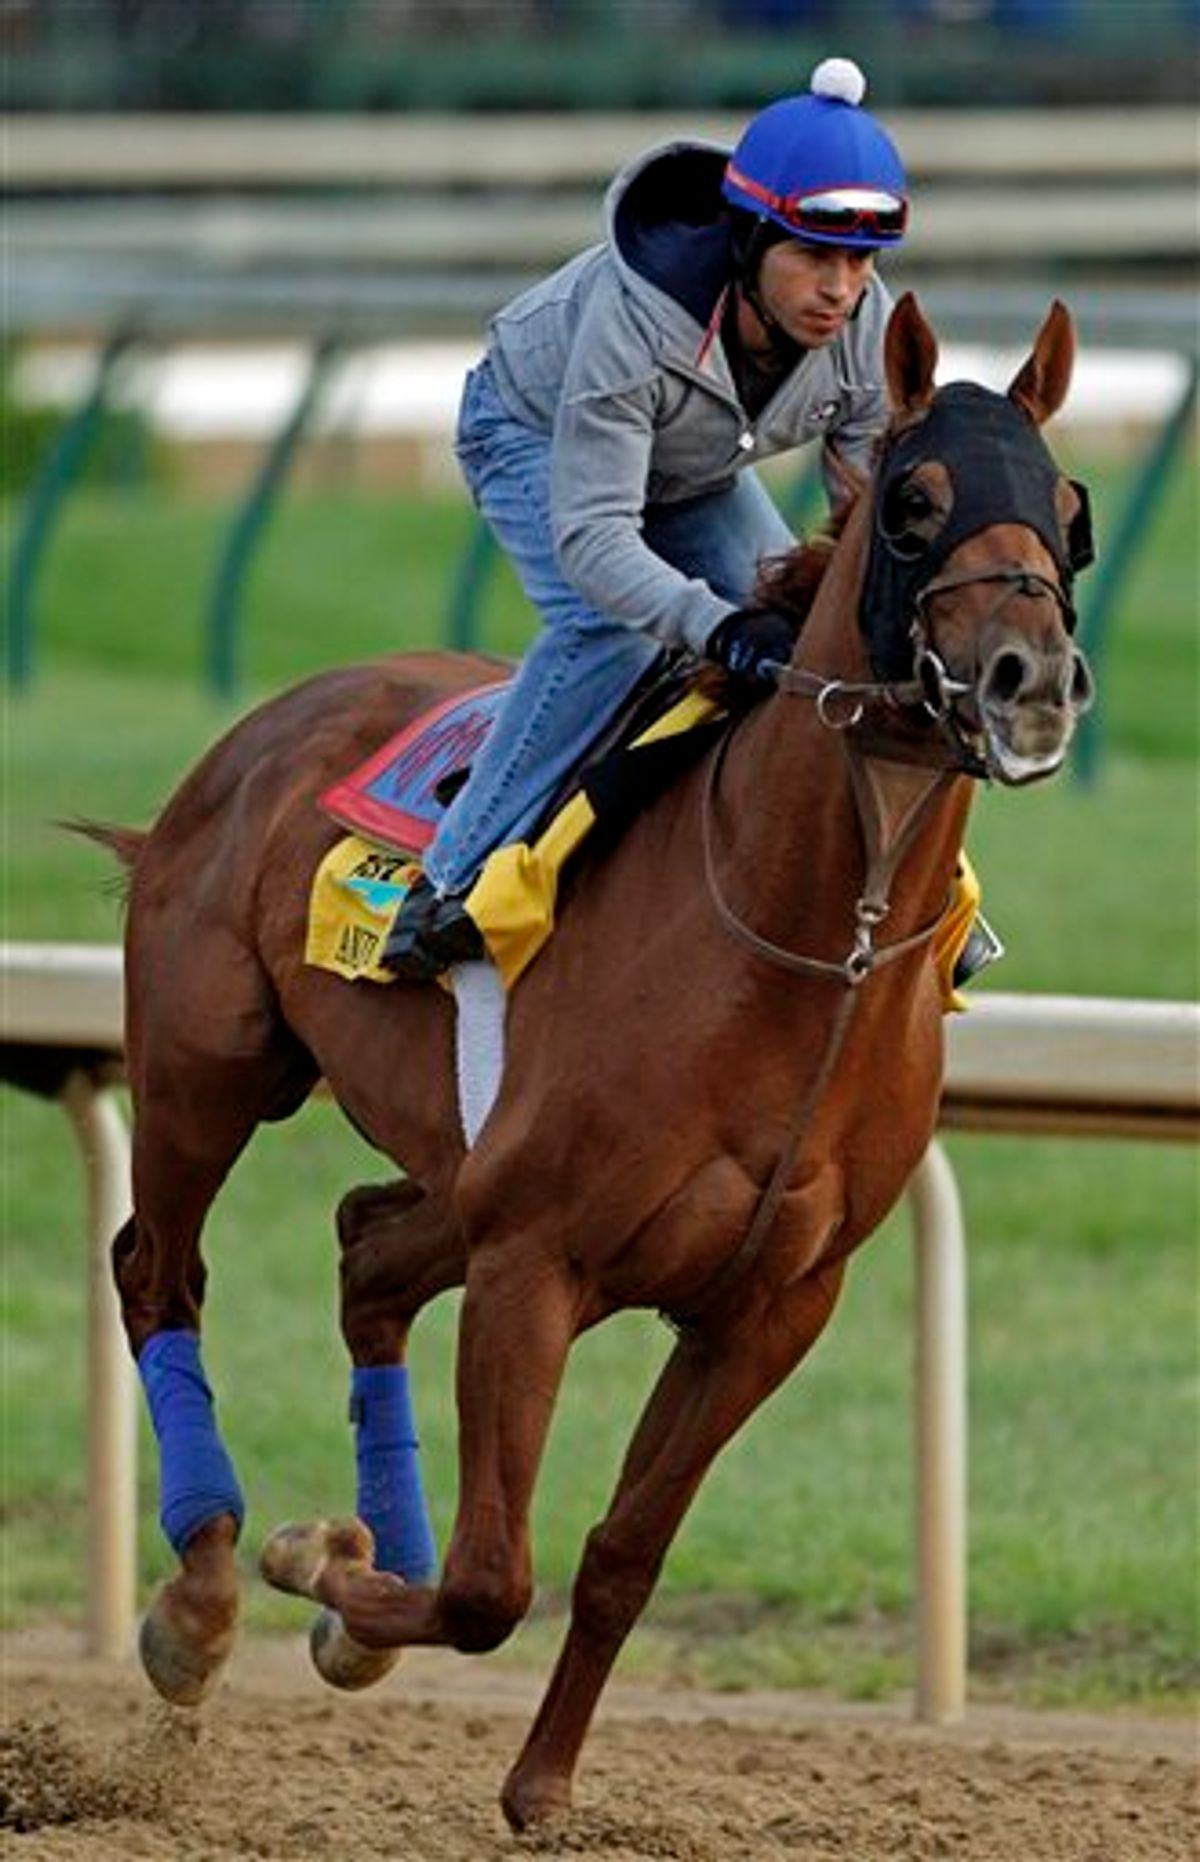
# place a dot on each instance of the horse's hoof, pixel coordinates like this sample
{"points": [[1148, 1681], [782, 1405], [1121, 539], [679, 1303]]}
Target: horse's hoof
{"points": [[293, 1557], [342, 1661], [180, 1671], [530, 1802]]}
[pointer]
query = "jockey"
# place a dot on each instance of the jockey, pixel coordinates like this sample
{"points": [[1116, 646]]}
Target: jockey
{"points": [[610, 432]]}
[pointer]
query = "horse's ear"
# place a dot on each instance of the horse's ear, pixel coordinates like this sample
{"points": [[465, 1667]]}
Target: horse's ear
{"points": [[910, 357], [1040, 387]]}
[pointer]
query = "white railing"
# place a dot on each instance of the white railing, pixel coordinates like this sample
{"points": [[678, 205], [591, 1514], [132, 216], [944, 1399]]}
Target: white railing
{"points": [[71, 997], [1016, 1063]]}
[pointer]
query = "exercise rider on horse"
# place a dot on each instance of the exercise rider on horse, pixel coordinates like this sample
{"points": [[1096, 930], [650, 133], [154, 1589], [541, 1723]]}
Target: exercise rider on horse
{"points": [[610, 432]]}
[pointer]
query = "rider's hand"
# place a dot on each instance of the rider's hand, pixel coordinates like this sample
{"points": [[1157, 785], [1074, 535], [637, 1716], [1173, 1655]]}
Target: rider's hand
{"points": [[752, 643]]}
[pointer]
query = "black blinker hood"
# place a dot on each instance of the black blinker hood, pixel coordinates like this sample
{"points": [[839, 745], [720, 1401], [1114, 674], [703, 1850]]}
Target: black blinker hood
{"points": [[1001, 472]]}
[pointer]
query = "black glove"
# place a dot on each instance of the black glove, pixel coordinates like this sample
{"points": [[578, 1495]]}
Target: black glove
{"points": [[751, 643]]}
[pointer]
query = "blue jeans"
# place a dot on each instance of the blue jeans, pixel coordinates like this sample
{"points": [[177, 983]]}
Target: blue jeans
{"points": [[583, 664]]}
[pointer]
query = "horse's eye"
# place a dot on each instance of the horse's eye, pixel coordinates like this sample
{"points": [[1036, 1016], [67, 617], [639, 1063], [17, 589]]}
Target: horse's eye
{"points": [[915, 502], [907, 509]]}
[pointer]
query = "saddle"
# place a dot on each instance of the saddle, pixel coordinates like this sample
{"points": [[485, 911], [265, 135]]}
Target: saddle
{"points": [[393, 802]]}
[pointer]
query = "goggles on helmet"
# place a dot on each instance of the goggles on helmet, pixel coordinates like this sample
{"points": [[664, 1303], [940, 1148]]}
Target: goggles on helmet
{"points": [[833, 213]]}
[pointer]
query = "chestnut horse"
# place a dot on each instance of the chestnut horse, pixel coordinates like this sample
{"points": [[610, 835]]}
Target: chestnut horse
{"points": [[720, 1072]]}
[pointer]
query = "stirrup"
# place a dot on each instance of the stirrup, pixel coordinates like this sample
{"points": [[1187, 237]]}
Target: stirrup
{"points": [[981, 950], [428, 935]]}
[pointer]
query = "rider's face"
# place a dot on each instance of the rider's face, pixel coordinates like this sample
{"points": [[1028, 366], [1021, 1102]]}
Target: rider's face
{"points": [[811, 290]]}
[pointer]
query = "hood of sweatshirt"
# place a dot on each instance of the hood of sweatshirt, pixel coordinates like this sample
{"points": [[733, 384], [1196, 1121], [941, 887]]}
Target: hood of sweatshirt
{"points": [[668, 229]]}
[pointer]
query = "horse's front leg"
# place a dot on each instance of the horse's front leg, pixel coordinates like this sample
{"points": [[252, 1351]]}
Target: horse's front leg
{"points": [[520, 1314], [399, 1249], [708, 1387]]}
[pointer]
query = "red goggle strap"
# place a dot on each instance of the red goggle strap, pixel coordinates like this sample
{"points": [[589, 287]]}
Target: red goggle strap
{"points": [[788, 204]]}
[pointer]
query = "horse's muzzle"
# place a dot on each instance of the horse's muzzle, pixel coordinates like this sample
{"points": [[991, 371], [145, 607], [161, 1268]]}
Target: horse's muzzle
{"points": [[1029, 702]]}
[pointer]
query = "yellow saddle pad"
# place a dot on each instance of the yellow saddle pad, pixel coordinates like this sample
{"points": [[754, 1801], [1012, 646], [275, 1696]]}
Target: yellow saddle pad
{"points": [[355, 895]]}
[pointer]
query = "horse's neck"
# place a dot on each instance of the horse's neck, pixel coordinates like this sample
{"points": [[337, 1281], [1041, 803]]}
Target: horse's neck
{"points": [[813, 815], [831, 643]]}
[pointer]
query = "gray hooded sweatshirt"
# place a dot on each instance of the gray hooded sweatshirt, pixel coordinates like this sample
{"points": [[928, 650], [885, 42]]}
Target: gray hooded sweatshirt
{"points": [[618, 355]]}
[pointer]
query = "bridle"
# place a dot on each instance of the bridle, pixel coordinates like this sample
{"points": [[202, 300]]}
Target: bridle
{"points": [[844, 707], [841, 704]]}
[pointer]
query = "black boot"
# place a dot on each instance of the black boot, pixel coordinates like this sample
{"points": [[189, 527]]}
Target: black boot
{"points": [[982, 949], [429, 934]]}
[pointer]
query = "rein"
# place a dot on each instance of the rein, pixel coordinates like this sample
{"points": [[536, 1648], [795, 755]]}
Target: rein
{"points": [[872, 904], [885, 851]]}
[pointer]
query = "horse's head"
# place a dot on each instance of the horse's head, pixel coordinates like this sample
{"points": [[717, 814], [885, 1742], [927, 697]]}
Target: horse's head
{"points": [[975, 540]]}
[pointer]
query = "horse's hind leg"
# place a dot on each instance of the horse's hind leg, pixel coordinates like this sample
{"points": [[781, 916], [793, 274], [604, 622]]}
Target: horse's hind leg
{"points": [[195, 1107], [708, 1387], [188, 1630], [399, 1249]]}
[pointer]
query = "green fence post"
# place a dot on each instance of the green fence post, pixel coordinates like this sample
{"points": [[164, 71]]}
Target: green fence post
{"points": [[802, 503], [1114, 560], [228, 582], [462, 632], [59, 471]]}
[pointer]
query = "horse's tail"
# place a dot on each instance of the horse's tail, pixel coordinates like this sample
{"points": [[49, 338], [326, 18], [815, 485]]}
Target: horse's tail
{"points": [[125, 843]]}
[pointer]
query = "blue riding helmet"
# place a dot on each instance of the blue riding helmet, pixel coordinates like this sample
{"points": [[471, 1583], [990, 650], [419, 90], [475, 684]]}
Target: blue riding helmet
{"points": [[822, 168]]}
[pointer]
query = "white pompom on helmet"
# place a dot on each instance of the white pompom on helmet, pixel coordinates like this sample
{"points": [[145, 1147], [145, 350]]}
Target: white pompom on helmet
{"points": [[821, 167]]}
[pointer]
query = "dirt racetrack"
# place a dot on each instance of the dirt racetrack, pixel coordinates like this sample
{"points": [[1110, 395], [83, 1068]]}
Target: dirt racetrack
{"points": [[277, 1766]]}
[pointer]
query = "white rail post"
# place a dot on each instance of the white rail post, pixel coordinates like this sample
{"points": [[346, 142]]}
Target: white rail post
{"points": [[111, 1383], [941, 1432]]}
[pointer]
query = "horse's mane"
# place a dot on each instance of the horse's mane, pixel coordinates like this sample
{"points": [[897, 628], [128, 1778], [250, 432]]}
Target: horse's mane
{"points": [[790, 582]]}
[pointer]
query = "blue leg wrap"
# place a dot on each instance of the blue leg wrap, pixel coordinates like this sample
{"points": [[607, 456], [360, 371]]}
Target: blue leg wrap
{"points": [[196, 1474], [391, 1498]]}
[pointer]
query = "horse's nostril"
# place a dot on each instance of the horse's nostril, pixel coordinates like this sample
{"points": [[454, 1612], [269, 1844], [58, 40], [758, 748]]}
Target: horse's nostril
{"points": [[1083, 686], [1005, 677]]}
